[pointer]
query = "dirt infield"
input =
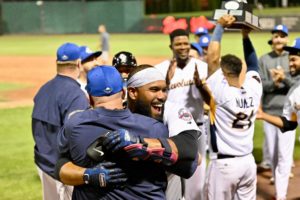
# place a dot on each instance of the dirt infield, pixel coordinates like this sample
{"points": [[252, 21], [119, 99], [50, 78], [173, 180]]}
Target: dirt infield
{"points": [[35, 71]]}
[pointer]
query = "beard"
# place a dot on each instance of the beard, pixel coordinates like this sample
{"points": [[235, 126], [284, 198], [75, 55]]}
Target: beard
{"points": [[143, 108]]}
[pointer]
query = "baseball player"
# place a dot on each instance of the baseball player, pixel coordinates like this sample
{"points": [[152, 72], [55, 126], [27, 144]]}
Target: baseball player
{"points": [[104, 43], [232, 169], [124, 62], [288, 120], [178, 120], [277, 81], [179, 73], [52, 104], [109, 113], [274, 90], [89, 60]]}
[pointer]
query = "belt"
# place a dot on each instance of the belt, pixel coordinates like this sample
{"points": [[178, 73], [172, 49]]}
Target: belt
{"points": [[223, 156]]}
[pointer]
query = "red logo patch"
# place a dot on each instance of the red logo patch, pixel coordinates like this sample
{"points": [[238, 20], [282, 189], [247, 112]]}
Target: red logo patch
{"points": [[185, 115]]}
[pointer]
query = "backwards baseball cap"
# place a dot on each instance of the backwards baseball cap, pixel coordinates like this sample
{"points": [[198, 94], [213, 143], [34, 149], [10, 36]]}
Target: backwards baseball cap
{"points": [[86, 53], [68, 52], [295, 48], [204, 41], [103, 81], [201, 31], [280, 28]]}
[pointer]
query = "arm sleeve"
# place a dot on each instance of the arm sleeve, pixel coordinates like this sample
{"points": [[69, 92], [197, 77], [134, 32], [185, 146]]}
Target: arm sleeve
{"points": [[187, 144], [250, 55], [288, 125], [60, 162]]}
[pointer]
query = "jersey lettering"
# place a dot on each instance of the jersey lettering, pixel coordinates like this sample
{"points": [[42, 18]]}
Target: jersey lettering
{"points": [[181, 84], [245, 102]]}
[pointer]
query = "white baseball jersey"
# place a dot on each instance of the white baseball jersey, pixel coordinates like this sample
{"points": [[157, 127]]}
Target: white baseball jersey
{"points": [[233, 127], [182, 89], [291, 107], [178, 119]]}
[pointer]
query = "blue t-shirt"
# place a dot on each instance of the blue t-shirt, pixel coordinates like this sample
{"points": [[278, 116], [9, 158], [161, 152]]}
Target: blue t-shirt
{"points": [[52, 104], [146, 180]]}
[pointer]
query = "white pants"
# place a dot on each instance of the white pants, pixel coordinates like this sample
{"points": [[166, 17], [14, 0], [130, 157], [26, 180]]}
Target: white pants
{"points": [[53, 189], [174, 189], [231, 178], [194, 186], [281, 148]]}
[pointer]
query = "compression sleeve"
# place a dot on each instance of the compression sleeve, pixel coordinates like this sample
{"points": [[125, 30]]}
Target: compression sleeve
{"points": [[187, 162], [250, 55], [288, 125], [186, 142], [61, 162]]}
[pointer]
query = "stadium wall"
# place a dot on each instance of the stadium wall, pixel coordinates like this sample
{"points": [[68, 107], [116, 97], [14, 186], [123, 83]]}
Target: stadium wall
{"points": [[63, 17], [71, 17]]}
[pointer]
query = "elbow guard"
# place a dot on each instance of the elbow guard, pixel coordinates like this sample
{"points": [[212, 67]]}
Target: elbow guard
{"points": [[288, 125]]}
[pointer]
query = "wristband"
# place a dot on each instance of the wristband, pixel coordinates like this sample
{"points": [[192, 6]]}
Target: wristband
{"points": [[218, 32]]}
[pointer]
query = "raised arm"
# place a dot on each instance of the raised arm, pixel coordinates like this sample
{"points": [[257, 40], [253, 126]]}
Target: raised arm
{"points": [[249, 52], [214, 48]]}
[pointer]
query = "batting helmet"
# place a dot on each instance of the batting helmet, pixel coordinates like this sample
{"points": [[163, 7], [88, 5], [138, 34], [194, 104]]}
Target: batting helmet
{"points": [[124, 58]]}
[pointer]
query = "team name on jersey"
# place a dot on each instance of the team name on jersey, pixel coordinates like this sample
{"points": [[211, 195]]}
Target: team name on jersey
{"points": [[182, 83], [244, 102]]}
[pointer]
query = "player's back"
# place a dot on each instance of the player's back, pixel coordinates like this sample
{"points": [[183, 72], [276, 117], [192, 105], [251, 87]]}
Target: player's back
{"points": [[146, 180], [233, 129]]}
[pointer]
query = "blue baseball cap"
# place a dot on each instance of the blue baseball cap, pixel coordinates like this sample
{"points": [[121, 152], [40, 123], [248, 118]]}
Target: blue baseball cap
{"points": [[197, 47], [295, 48], [201, 31], [86, 53], [280, 28], [204, 41], [103, 81], [68, 52]]}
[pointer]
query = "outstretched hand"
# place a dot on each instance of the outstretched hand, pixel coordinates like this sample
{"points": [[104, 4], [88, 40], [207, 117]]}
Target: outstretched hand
{"points": [[226, 20], [117, 140], [121, 139], [106, 174]]}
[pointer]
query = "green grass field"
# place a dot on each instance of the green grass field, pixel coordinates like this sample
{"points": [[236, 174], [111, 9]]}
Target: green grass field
{"points": [[139, 45], [18, 177]]}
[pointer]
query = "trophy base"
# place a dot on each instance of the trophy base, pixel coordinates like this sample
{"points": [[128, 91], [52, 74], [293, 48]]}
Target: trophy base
{"points": [[241, 25]]}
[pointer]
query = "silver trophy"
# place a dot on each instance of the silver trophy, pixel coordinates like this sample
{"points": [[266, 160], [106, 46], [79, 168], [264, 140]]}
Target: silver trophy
{"points": [[242, 11]]}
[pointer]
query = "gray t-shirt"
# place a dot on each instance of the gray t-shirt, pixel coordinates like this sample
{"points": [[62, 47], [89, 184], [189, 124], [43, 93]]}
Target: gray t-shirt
{"points": [[274, 97]]}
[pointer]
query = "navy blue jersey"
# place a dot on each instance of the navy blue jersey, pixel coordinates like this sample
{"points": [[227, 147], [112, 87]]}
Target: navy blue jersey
{"points": [[146, 180], [52, 104]]}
